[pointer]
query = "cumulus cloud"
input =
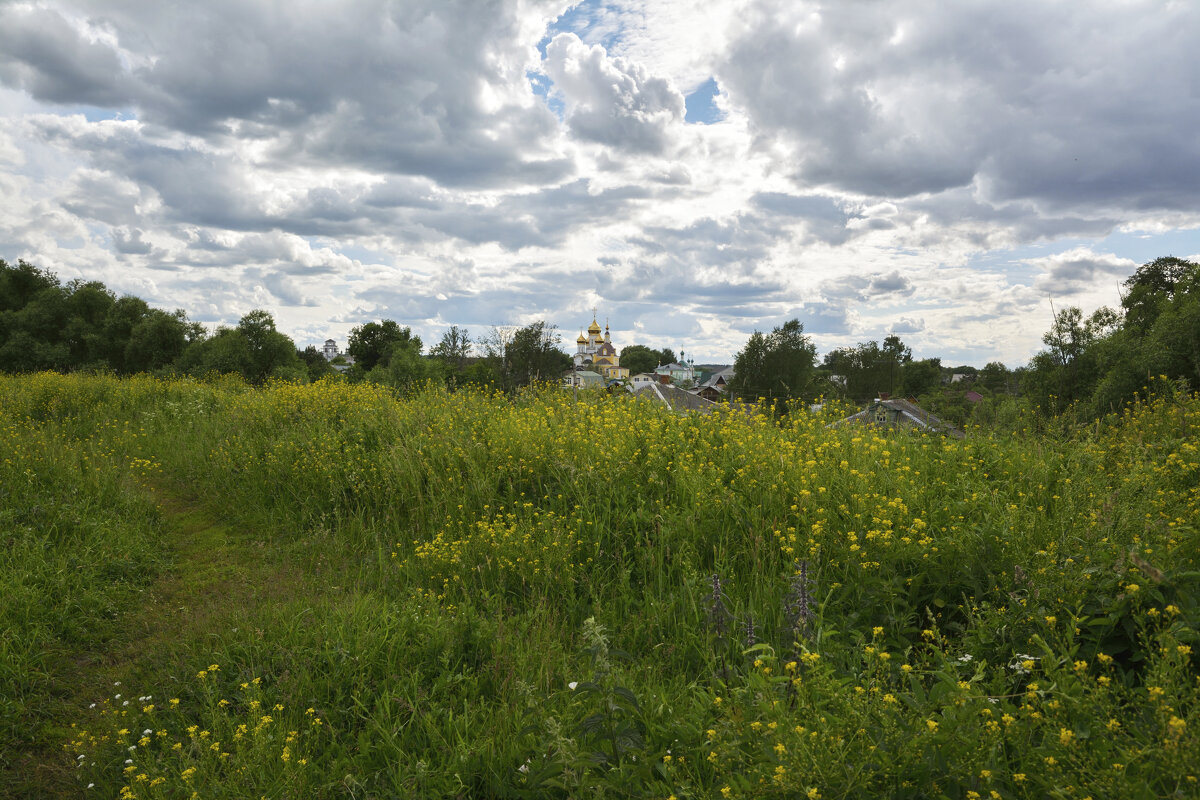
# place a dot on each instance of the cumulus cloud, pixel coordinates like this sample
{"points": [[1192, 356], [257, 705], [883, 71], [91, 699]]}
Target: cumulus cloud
{"points": [[451, 162], [1078, 270], [612, 101], [1024, 100], [870, 286]]}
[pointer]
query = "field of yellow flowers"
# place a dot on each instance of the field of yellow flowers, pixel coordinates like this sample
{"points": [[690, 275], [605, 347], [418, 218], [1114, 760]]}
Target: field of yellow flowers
{"points": [[481, 595]]}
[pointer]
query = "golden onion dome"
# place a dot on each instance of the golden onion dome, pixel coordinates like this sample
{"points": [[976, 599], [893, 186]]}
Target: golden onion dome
{"points": [[581, 340], [594, 327]]}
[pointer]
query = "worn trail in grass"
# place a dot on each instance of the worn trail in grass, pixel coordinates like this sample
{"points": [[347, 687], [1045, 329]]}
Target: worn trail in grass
{"points": [[220, 578]]}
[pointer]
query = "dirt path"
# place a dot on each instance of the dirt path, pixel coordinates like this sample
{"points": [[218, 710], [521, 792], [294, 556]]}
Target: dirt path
{"points": [[217, 572]]}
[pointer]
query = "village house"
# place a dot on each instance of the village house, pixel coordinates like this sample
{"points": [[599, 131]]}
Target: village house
{"points": [[716, 386], [678, 373]]}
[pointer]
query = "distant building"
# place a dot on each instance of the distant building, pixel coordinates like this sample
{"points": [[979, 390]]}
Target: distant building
{"points": [[330, 351], [596, 353], [678, 373], [583, 379], [716, 386], [636, 382]]}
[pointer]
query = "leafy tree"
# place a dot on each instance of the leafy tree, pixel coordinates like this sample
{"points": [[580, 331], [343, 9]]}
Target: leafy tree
{"points": [[778, 366], [869, 369], [315, 363], [994, 377], [372, 343], [406, 368], [1153, 286], [125, 314], [639, 358], [226, 351], [87, 305], [157, 341], [270, 351], [921, 377], [453, 350], [667, 355], [19, 284], [519, 356], [533, 354]]}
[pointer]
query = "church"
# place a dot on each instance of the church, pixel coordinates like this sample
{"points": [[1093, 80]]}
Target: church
{"points": [[597, 354]]}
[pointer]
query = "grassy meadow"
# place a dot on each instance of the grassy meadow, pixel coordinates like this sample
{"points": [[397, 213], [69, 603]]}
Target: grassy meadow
{"points": [[214, 591]]}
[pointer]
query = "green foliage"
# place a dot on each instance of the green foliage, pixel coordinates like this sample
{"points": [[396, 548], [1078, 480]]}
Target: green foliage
{"points": [[639, 358], [869, 369], [1012, 612], [1098, 365], [779, 366], [521, 356], [372, 344], [453, 350], [921, 377], [44, 325]]}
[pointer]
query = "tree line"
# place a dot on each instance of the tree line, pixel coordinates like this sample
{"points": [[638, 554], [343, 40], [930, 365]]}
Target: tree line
{"points": [[81, 325], [1091, 365]]}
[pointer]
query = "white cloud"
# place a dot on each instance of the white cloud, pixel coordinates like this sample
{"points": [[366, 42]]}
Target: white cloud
{"points": [[878, 166]]}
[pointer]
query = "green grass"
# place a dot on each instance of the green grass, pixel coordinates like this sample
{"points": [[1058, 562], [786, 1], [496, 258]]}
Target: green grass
{"points": [[1011, 614]]}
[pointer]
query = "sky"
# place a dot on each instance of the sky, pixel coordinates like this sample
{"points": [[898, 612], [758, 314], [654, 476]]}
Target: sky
{"points": [[694, 171]]}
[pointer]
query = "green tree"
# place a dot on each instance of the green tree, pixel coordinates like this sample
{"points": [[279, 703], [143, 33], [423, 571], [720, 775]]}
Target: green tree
{"points": [[638, 358], [271, 352], [406, 368], [994, 377], [155, 342], [315, 363], [869, 369], [371, 344], [1153, 286], [453, 350], [921, 377], [779, 366], [521, 356]]}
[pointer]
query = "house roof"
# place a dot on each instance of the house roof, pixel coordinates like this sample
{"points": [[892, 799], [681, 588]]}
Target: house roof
{"points": [[675, 398], [719, 377], [912, 412]]}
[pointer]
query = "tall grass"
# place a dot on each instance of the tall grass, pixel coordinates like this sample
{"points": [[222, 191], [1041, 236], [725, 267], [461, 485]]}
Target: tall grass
{"points": [[1005, 615]]}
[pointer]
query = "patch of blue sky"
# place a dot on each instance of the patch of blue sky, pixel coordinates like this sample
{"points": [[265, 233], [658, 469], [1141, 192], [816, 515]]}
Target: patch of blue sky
{"points": [[541, 85], [1143, 246], [701, 104], [593, 21], [97, 114]]}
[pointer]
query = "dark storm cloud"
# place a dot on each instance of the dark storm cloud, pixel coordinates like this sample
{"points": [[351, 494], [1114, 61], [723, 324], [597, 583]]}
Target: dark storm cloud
{"points": [[1066, 105]]}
